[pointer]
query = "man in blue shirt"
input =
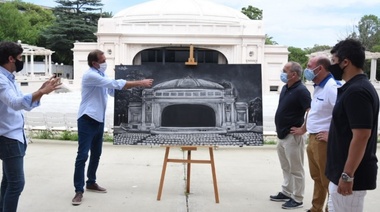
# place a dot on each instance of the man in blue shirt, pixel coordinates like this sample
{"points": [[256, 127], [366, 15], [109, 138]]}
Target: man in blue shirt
{"points": [[96, 87], [12, 137]]}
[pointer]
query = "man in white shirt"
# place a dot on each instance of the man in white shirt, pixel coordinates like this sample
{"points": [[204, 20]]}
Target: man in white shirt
{"points": [[318, 124]]}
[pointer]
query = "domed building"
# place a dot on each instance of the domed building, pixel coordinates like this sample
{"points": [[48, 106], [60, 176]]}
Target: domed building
{"points": [[189, 104], [161, 31]]}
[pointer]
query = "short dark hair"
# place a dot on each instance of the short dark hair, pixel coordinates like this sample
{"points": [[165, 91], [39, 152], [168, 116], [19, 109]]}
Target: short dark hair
{"points": [[93, 56], [9, 49], [350, 49]]}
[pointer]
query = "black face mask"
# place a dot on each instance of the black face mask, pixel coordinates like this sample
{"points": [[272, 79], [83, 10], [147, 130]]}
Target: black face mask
{"points": [[19, 65], [336, 71]]}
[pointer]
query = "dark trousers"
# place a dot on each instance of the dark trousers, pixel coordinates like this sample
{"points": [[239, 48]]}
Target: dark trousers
{"points": [[90, 138], [12, 154]]}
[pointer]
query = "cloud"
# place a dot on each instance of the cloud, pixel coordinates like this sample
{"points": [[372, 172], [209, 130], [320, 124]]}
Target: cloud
{"points": [[302, 23], [296, 23]]}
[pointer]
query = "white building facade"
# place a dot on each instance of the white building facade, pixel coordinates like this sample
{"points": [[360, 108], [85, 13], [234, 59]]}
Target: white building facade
{"points": [[177, 24], [162, 25]]}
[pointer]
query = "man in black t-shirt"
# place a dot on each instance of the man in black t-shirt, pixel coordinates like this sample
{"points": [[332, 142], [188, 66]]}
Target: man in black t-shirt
{"points": [[351, 152], [293, 103]]}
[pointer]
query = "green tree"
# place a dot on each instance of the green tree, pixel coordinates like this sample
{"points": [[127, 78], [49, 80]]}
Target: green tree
{"points": [[317, 48], [23, 21], [106, 15], [76, 21], [269, 40], [298, 55], [13, 26], [253, 13], [376, 48], [369, 31], [38, 17]]}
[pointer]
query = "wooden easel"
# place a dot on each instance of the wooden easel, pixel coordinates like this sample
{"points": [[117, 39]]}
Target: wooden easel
{"points": [[189, 161]]}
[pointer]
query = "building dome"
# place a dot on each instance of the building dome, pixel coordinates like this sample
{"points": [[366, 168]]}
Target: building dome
{"points": [[188, 83], [194, 11]]}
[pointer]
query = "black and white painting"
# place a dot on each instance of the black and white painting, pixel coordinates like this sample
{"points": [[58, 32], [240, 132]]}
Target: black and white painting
{"points": [[206, 104]]}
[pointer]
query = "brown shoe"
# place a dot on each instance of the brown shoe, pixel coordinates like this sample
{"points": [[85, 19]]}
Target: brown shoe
{"points": [[77, 200], [96, 188]]}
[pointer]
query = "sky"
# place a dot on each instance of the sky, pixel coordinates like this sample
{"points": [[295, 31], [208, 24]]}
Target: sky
{"points": [[297, 23]]}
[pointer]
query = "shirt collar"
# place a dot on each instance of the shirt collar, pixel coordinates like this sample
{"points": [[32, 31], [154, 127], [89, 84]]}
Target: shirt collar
{"points": [[296, 84], [101, 73], [354, 79], [324, 81], [8, 74]]}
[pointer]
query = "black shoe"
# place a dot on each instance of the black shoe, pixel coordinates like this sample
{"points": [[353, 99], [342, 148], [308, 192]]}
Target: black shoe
{"points": [[291, 204], [280, 197]]}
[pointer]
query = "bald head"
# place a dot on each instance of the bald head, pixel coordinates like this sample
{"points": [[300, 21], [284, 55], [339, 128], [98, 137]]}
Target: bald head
{"points": [[319, 60], [319, 65]]}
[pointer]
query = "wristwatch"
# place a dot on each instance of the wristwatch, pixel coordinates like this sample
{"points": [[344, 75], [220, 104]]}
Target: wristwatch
{"points": [[347, 178]]}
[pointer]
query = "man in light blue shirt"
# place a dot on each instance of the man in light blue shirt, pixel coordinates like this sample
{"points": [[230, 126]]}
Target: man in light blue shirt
{"points": [[96, 87], [12, 136]]}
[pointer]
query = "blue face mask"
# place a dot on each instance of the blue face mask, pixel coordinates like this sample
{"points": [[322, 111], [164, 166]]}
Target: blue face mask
{"points": [[309, 74], [284, 77]]}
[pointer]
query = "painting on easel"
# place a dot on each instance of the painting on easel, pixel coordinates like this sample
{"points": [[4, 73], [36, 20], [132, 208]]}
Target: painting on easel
{"points": [[207, 104]]}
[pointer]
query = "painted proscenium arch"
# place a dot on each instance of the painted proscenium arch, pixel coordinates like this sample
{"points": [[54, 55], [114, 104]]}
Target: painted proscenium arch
{"points": [[188, 102]]}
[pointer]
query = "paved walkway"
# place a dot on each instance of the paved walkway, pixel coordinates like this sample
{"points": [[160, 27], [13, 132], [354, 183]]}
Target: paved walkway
{"points": [[246, 177]]}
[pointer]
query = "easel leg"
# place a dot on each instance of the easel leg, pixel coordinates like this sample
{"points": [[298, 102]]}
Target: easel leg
{"points": [[188, 172], [163, 173], [214, 175]]}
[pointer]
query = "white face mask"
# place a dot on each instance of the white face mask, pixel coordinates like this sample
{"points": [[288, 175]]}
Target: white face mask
{"points": [[103, 67]]}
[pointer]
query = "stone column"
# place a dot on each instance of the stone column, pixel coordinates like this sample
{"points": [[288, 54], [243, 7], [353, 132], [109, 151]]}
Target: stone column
{"points": [[32, 63], [26, 68], [373, 70], [46, 66], [50, 66]]}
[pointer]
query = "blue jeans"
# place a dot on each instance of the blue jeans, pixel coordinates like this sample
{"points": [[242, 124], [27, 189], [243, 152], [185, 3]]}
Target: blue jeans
{"points": [[90, 137], [12, 154]]}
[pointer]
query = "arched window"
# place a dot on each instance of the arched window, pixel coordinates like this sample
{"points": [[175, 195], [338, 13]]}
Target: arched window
{"points": [[179, 55]]}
